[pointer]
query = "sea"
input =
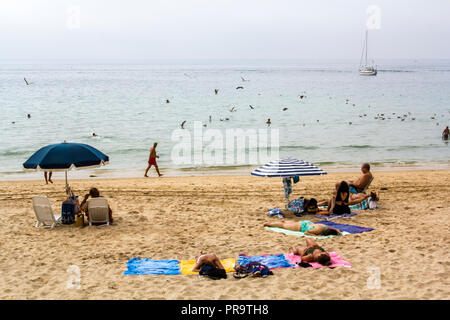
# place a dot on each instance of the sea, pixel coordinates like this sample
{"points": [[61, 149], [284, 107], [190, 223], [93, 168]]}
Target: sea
{"points": [[324, 112]]}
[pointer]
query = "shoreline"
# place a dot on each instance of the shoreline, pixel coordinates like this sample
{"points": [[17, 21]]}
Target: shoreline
{"points": [[103, 173]]}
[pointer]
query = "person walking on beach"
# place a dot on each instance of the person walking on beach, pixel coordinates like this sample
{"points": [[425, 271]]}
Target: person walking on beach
{"points": [[445, 133], [152, 160], [49, 177]]}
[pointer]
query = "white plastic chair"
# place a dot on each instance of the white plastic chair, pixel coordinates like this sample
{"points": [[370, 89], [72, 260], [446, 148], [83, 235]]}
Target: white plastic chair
{"points": [[44, 212], [98, 210]]}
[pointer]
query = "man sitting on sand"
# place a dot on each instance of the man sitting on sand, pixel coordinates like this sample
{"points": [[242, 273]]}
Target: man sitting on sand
{"points": [[359, 184], [93, 193], [204, 259], [152, 160], [342, 199]]}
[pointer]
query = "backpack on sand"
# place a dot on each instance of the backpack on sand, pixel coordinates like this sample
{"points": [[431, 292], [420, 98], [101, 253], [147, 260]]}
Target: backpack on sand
{"points": [[254, 269]]}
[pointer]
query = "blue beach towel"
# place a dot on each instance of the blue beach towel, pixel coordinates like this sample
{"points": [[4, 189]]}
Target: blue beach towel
{"points": [[270, 260], [336, 216], [138, 266], [345, 227]]}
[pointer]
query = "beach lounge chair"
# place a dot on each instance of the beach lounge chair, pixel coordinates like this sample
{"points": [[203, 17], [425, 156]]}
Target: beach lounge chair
{"points": [[367, 186], [44, 212], [98, 210]]}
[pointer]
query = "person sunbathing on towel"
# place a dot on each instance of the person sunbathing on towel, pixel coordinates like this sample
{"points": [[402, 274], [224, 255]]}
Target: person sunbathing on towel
{"points": [[339, 203], [305, 226], [359, 184], [207, 259], [312, 253]]}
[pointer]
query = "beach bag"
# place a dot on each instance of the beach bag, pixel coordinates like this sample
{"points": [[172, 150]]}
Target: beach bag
{"points": [[373, 204], [75, 202], [303, 206], [276, 212], [212, 272], [253, 268], [68, 212], [296, 205], [79, 220]]}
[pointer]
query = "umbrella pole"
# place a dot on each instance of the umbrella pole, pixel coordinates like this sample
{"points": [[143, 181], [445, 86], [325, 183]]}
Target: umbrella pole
{"points": [[67, 185]]}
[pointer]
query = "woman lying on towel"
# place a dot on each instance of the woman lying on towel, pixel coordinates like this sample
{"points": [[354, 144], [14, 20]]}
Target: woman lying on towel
{"points": [[339, 204], [312, 253], [305, 226], [210, 259]]}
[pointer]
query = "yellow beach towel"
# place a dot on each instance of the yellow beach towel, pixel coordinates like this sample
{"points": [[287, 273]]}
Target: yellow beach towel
{"points": [[186, 266]]}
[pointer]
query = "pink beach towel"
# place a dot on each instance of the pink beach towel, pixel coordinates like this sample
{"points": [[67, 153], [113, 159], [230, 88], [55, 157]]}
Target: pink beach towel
{"points": [[336, 260]]}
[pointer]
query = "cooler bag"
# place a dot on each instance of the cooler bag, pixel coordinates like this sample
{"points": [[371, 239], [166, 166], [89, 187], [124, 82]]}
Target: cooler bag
{"points": [[68, 212]]}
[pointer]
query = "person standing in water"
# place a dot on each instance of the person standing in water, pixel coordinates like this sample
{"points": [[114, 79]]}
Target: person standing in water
{"points": [[49, 177], [445, 133], [152, 160]]}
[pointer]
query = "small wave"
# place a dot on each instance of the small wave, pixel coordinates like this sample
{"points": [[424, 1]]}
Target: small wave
{"points": [[15, 153], [299, 147], [217, 167], [393, 70], [362, 146], [129, 150]]}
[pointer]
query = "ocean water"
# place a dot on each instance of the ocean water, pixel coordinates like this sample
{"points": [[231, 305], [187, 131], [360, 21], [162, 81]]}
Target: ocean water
{"points": [[124, 102]]}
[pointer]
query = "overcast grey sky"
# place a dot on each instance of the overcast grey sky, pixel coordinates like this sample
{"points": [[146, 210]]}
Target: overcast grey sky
{"points": [[147, 29]]}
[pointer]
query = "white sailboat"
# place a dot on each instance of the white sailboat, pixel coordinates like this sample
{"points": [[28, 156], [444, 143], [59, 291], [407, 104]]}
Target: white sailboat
{"points": [[366, 70]]}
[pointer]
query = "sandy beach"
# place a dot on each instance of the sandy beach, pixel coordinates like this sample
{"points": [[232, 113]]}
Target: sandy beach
{"points": [[176, 217]]}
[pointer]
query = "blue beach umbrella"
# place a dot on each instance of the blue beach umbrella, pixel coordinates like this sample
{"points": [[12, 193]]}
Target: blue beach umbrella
{"points": [[64, 157], [286, 169]]}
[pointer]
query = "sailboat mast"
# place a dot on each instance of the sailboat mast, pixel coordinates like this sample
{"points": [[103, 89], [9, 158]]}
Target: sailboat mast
{"points": [[367, 31]]}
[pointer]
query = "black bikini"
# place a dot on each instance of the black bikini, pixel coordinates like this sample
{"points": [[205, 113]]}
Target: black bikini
{"points": [[341, 208]]}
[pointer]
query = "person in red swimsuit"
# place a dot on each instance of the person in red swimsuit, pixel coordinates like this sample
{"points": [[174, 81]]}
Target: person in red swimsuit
{"points": [[152, 160]]}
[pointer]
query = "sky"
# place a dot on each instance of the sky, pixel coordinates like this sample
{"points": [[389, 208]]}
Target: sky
{"points": [[223, 29]]}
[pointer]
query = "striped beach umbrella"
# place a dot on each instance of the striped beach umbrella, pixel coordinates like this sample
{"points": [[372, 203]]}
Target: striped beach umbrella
{"points": [[286, 169]]}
